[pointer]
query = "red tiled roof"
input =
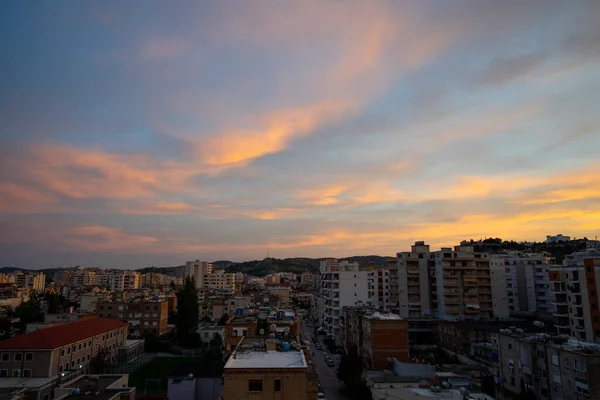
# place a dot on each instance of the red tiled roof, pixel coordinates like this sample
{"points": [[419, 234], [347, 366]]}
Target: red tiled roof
{"points": [[61, 335]]}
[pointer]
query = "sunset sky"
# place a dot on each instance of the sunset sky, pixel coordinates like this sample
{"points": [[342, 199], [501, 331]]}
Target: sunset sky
{"points": [[150, 132]]}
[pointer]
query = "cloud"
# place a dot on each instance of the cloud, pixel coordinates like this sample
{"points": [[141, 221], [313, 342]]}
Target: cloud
{"points": [[160, 48], [503, 71]]}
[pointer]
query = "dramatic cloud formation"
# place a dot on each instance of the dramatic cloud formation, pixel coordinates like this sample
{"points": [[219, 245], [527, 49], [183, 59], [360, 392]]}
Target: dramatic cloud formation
{"points": [[147, 136]]}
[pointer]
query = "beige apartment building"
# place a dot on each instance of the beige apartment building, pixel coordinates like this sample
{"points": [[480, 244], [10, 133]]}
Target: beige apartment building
{"points": [[66, 347], [142, 316], [259, 369], [219, 280], [414, 284]]}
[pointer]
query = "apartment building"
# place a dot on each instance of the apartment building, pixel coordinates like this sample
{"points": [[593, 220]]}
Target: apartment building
{"points": [[343, 284], [83, 278], [121, 281], [575, 289], [198, 269], [142, 316], [285, 326], [415, 268], [524, 277], [221, 281], [153, 279], [377, 336], [263, 369], [284, 296], [379, 287], [71, 346], [461, 284]]}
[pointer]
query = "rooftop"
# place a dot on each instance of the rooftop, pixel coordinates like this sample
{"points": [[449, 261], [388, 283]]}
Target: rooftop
{"points": [[266, 359], [378, 315], [64, 334]]}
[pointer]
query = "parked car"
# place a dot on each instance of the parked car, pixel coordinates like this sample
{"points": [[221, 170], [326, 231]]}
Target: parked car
{"points": [[330, 362], [319, 347]]}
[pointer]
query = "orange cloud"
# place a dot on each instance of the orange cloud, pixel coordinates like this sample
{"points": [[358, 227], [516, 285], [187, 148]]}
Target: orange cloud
{"points": [[19, 199], [103, 238]]}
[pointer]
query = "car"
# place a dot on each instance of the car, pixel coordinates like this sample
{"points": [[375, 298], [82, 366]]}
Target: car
{"points": [[330, 362], [321, 396], [319, 347]]}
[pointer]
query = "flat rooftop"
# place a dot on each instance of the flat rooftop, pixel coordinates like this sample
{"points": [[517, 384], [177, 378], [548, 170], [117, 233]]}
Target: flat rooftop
{"points": [[267, 359]]}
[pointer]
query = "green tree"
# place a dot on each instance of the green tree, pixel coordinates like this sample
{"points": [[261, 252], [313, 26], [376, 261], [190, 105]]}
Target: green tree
{"points": [[53, 300], [216, 341], [188, 314], [151, 344], [172, 318], [29, 312], [224, 319], [350, 373]]}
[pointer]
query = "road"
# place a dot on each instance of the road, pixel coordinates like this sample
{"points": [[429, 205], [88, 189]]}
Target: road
{"points": [[327, 377]]}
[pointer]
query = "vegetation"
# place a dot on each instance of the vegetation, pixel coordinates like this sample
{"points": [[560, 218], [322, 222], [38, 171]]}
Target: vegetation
{"points": [[188, 315], [54, 302], [350, 373], [28, 312], [223, 319]]}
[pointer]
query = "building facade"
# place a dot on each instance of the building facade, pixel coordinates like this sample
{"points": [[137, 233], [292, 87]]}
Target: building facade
{"points": [[415, 268], [198, 269], [142, 316]]}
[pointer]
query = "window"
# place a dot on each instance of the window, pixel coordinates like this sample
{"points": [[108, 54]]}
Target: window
{"points": [[74, 348], [18, 356], [79, 346], [557, 380], [62, 352], [27, 373], [510, 346], [28, 356], [255, 385], [85, 345], [5, 356], [16, 373], [60, 368], [555, 360], [567, 363], [72, 363], [3, 373], [278, 385]]}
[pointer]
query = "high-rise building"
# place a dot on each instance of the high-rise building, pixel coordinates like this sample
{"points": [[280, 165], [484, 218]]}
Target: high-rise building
{"points": [[121, 281], [198, 269], [342, 284], [462, 287], [221, 281], [575, 288], [415, 267], [142, 316]]}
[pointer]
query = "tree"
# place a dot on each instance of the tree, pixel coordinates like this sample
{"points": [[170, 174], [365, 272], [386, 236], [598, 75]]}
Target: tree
{"points": [[53, 300], [172, 318], [188, 314], [29, 312], [350, 373], [151, 344], [216, 341], [224, 319]]}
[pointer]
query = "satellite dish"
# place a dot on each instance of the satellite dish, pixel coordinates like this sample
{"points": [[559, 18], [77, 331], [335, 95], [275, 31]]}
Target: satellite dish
{"points": [[273, 327], [262, 331]]}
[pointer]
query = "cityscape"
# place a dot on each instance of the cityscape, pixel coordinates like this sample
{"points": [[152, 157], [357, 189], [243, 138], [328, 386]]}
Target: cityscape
{"points": [[300, 200]]}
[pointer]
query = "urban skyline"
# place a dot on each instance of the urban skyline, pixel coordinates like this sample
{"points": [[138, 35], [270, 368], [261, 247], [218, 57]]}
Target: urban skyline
{"points": [[133, 136]]}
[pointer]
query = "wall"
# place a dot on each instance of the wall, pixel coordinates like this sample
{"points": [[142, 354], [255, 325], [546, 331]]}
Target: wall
{"points": [[293, 384]]}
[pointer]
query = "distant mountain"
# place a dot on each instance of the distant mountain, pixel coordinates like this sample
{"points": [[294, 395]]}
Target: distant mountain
{"points": [[9, 270], [171, 271]]}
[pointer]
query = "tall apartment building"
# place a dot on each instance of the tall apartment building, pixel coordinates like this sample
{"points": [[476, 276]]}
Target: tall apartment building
{"points": [[379, 287], [415, 268], [524, 277], [142, 316], [66, 347], [37, 282], [198, 269], [461, 284], [575, 289], [83, 278], [121, 281], [343, 284], [219, 280]]}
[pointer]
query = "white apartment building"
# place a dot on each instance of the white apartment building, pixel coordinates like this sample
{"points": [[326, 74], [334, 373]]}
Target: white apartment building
{"points": [[37, 282], [101, 279], [414, 284], [558, 238], [219, 280], [198, 269], [526, 281], [342, 284], [83, 278], [379, 288], [124, 280]]}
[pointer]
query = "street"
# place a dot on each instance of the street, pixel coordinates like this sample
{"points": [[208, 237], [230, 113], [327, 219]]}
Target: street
{"points": [[327, 375]]}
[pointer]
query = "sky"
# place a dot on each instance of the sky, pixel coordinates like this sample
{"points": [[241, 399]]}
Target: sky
{"points": [[150, 133]]}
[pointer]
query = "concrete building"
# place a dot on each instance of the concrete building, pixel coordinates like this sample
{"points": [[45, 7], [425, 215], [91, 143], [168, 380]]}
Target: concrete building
{"points": [[284, 296], [219, 280], [415, 268], [142, 316], [285, 324], [89, 302], [462, 287], [526, 282], [208, 331], [575, 289], [120, 281], [378, 337], [343, 284], [379, 287], [560, 238], [70, 346], [83, 278], [262, 369], [198, 269]]}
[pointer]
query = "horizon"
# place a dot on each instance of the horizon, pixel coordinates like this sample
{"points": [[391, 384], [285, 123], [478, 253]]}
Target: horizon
{"points": [[135, 136]]}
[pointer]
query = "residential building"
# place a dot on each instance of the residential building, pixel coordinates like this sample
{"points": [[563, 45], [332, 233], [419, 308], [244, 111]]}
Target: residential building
{"points": [[83, 278], [284, 296], [285, 324], [343, 284], [377, 336], [121, 281], [379, 286], [415, 268], [64, 347], [309, 279], [198, 269], [208, 331], [462, 287], [219, 280], [261, 369], [575, 288], [560, 238], [7, 278], [142, 316], [100, 387]]}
